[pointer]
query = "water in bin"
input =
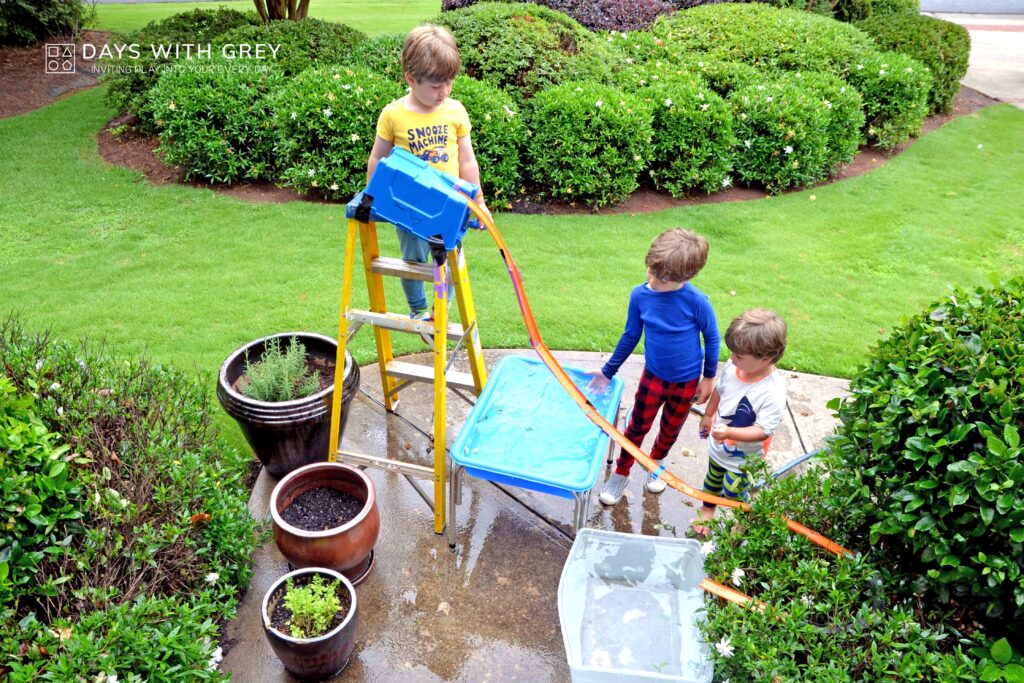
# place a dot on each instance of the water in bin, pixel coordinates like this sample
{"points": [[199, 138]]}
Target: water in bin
{"points": [[628, 607]]}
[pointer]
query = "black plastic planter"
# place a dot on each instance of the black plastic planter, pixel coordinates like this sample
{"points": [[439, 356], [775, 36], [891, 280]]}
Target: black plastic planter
{"points": [[288, 434]]}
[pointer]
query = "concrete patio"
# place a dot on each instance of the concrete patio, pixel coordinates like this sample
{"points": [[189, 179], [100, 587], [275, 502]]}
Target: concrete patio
{"points": [[485, 611]]}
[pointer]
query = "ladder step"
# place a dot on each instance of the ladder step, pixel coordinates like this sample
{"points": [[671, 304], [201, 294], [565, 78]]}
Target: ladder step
{"points": [[385, 265], [402, 323], [425, 373], [364, 460]]}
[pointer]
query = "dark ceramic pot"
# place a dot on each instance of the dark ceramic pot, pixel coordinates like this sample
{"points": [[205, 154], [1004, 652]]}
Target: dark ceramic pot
{"points": [[348, 548], [313, 658], [288, 434]]}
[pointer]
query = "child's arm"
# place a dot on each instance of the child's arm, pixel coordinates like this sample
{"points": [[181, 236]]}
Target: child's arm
{"points": [[710, 410], [712, 344], [469, 169], [627, 342], [381, 148], [721, 432]]}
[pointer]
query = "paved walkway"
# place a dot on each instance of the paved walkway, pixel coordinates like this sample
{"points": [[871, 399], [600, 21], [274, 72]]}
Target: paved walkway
{"points": [[996, 65], [487, 610]]}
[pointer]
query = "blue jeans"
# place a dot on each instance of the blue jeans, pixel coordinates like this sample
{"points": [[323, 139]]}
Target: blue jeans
{"points": [[417, 250]]}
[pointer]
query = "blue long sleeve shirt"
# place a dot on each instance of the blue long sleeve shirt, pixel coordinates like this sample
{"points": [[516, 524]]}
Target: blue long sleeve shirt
{"points": [[672, 324]]}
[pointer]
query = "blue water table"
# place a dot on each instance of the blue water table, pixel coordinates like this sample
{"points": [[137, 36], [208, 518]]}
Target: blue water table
{"points": [[526, 431]]}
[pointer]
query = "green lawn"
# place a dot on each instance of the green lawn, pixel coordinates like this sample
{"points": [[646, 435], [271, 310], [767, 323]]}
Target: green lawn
{"points": [[380, 16], [187, 275]]}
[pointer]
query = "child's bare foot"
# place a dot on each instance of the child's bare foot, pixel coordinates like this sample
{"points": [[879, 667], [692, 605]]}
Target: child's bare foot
{"points": [[703, 515]]}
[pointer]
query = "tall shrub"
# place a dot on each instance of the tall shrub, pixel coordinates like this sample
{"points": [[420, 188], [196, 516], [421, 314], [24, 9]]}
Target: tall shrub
{"points": [[23, 22], [845, 110], [895, 90], [589, 143], [302, 43], [381, 54], [930, 448]]}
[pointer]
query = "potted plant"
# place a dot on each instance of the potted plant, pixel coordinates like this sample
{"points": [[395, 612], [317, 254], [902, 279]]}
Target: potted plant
{"points": [[325, 515], [286, 430], [310, 617]]}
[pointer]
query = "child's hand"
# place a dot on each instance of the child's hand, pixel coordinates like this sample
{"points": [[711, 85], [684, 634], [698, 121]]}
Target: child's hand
{"points": [[705, 425], [720, 432], [705, 388], [486, 211], [598, 382]]}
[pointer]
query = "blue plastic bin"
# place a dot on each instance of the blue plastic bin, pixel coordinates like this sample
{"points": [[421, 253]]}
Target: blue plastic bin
{"points": [[415, 196]]}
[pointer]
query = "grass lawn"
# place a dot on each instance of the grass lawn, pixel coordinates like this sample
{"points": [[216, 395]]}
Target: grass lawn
{"points": [[187, 275], [380, 16]]}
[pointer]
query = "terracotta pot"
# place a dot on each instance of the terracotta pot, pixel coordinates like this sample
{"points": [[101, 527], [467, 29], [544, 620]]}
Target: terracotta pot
{"points": [[348, 548], [288, 434], [312, 658]]}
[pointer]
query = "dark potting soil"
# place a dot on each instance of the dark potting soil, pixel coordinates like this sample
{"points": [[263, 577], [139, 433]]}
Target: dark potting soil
{"points": [[321, 509], [281, 616]]}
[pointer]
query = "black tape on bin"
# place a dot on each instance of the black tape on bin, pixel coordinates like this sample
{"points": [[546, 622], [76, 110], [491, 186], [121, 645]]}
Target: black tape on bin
{"points": [[437, 249], [362, 213]]}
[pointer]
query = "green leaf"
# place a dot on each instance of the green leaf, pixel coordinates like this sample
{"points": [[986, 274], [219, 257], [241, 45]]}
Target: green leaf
{"points": [[991, 673], [1001, 651], [1011, 436], [57, 468], [925, 523], [1017, 535], [1014, 673]]}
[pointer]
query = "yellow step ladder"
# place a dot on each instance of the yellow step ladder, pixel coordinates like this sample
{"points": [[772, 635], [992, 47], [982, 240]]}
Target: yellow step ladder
{"points": [[396, 375]]}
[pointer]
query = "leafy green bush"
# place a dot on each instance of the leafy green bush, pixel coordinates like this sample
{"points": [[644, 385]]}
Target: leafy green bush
{"points": [[499, 137], [589, 142], [23, 22], [692, 137], [851, 10], [526, 47], [942, 46], [764, 37], [825, 618], [313, 606], [380, 54], [895, 90], [303, 43], [215, 118], [895, 7], [162, 540], [326, 118], [845, 114], [129, 78], [781, 135], [280, 374], [724, 77], [931, 451]]}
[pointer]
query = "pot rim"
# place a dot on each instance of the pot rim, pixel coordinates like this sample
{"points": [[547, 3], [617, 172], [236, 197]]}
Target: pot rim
{"points": [[324, 393], [299, 572], [371, 499]]}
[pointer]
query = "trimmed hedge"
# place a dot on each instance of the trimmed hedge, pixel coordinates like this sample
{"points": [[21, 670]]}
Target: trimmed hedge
{"points": [[589, 143], [894, 7], [303, 43], [499, 137], [930, 448], [942, 46], [615, 15], [526, 47], [215, 119], [845, 114], [895, 91], [326, 117], [381, 54]]}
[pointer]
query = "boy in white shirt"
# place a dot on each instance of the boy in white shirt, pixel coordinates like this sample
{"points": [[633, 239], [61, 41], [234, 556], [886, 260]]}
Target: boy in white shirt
{"points": [[746, 407]]}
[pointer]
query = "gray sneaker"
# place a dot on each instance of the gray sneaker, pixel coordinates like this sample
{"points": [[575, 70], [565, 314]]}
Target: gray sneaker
{"points": [[613, 489], [426, 316], [654, 485]]}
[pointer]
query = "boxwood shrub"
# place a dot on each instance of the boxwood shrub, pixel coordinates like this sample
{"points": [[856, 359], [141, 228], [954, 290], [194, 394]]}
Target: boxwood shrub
{"points": [[499, 137], [381, 54], [215, 118], [692, 137], [942, 46], [303, 43], [845, 110], [129, 80], [930, 448], [781, 133], [526, 47], [589, 143], [326, 118], [895, 90], [764, 36], [724, 77], [895, 7], [127, 530]]}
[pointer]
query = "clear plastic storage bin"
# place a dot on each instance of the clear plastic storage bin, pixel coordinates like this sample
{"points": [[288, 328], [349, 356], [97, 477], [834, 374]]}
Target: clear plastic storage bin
{"points": [[628, 606]]}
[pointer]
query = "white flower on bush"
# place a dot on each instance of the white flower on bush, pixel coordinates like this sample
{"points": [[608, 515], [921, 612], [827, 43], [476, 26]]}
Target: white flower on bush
{"points": [[55, 386], [328, 112], [629, 60], [737, 576], [668, 102], [769, 99], [336, 76], [334, 187], [788, 149], [346, 87], [700, 64], [60, 410], [828, 105], [708, 547], [807, 600], [705, 107], [881, 72], [311, 173], [860, 67], [700, 96], [211, 578], [743, 116], [910, 70], [39, 364], [725, 647], [842, 89], [216, 658], [294, 116], [726, 181], [747, 143], [760, 87], [355, 137], [599, 104]]}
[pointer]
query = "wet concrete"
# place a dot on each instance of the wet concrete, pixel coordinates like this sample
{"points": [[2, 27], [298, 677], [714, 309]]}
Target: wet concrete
{"points": [[485, 611]]}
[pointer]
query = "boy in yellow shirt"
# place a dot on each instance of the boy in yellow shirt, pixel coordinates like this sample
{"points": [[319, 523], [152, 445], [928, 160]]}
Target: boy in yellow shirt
{"points": [[430, 125]]}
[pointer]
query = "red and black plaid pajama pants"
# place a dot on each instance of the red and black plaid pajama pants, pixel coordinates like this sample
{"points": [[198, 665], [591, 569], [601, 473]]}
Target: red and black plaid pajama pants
{"points": [[650, 396]]}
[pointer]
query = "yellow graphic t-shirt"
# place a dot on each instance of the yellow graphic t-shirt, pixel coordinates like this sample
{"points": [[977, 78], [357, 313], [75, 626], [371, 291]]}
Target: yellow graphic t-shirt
{"points": [[432, 137]]}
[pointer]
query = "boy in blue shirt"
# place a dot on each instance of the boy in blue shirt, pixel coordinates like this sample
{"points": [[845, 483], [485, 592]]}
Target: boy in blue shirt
{"points": [[672, 315]]}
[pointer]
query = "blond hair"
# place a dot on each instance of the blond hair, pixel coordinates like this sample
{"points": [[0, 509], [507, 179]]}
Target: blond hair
{"points": [[758, 332], [430, 54], [677, 255]]}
